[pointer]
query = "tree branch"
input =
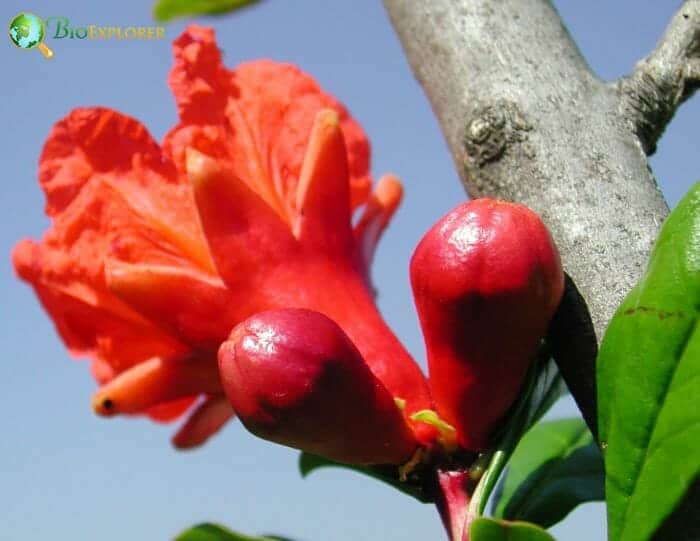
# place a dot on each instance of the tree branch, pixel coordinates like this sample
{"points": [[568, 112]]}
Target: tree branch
{"points": [[663, 80], [526, 120]]}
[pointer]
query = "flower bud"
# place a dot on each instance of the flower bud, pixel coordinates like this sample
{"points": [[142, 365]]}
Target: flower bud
{"points": [[295, 378], [487, 279]]}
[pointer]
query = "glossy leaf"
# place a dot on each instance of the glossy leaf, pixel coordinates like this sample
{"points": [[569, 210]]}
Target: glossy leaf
{"points": [[387, 474], [649, 382], [488, 529], [165, 10], [555, 467], [214, 532]]}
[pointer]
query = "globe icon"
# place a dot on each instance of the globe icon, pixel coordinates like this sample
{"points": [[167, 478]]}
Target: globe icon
{"points": [[26, 31]]}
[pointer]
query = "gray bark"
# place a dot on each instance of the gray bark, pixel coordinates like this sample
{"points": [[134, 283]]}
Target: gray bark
{"points": [[526, 120]]}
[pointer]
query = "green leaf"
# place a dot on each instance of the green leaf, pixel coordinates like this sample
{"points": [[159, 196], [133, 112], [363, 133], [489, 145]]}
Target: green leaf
{"points": [[386, 474], [488, 529], [649, 384], [555, 467], [166, 10], [214, 532]]}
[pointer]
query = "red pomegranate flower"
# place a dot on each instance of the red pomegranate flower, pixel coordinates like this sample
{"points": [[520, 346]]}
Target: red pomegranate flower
{"points": [[156, 252]]}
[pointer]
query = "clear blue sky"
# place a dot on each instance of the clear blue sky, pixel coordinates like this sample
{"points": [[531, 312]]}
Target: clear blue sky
{"points": [[65, 474]]}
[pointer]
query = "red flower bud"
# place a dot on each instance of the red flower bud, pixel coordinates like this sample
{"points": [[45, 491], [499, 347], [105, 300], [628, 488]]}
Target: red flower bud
{"points": [[486, 279], [295, 378]]}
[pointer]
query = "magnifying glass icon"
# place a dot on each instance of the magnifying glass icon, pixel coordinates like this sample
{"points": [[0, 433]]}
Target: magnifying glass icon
{"points": [[27, 31]]}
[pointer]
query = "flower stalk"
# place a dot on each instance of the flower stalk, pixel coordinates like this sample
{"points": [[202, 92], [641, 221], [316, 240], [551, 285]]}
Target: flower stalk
{"points": [[455, 489]]}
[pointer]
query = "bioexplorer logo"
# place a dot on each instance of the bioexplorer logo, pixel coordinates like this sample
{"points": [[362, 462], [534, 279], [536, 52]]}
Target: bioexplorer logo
{"points": [[28, 31]]}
